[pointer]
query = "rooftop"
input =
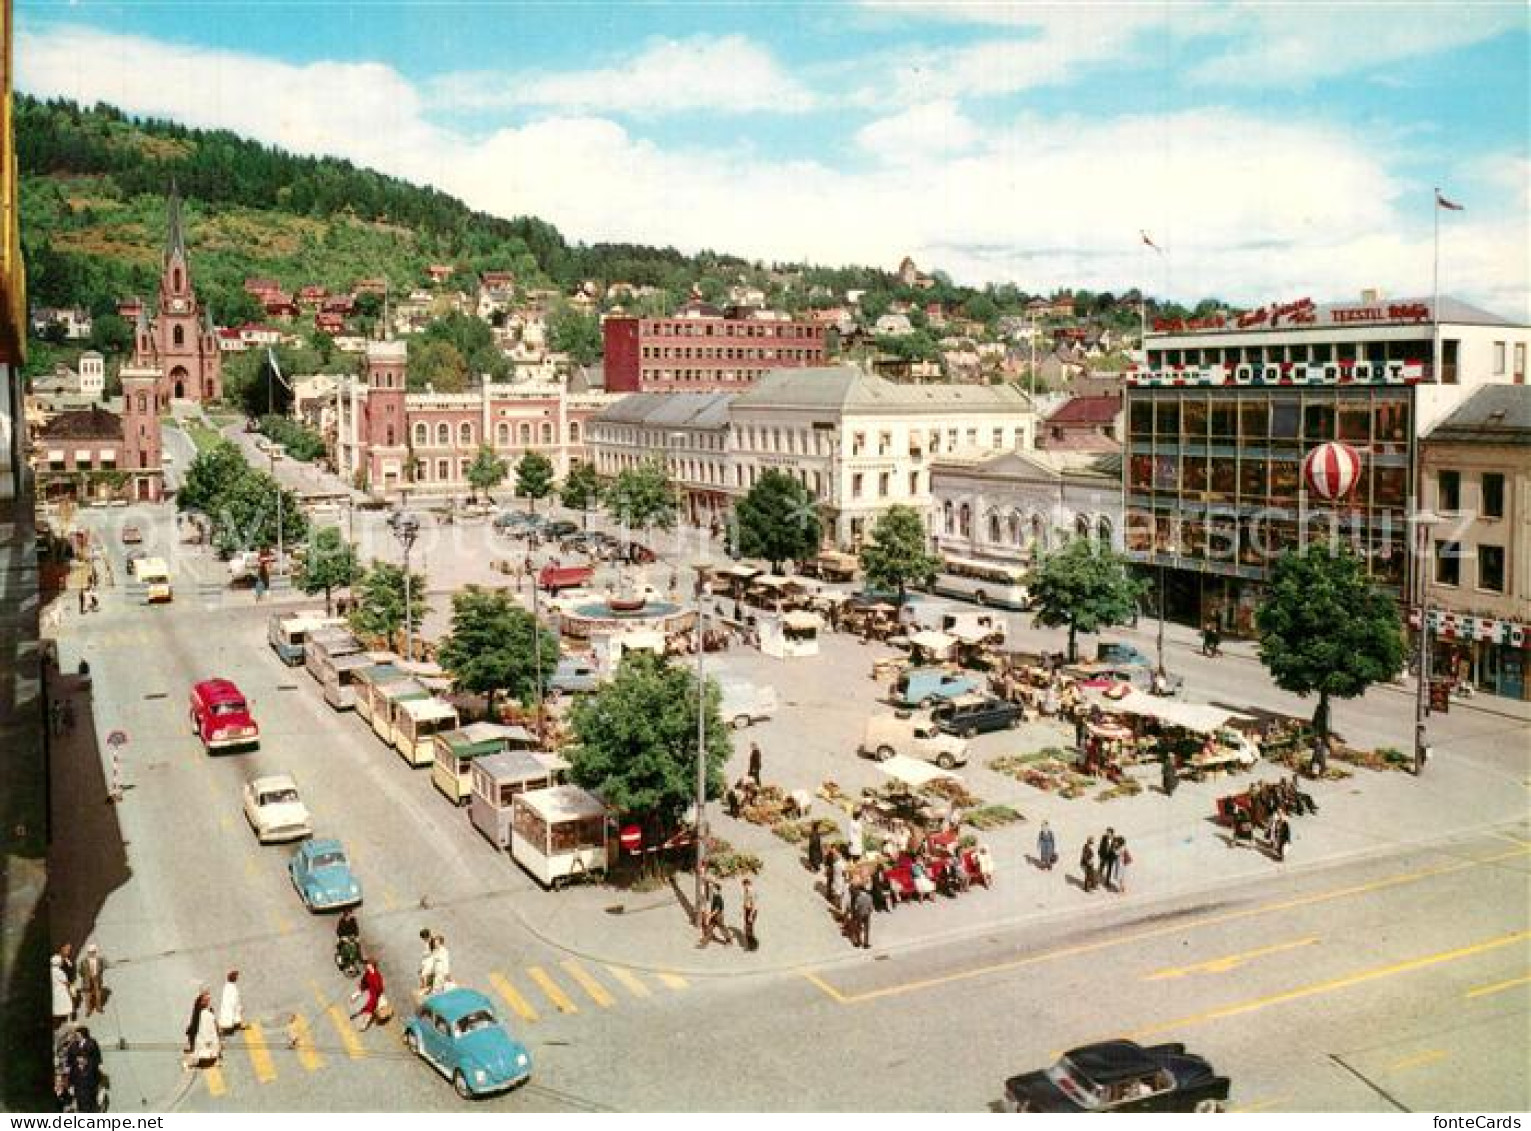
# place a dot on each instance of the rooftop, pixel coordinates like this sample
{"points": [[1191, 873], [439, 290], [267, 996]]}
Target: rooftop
{"points": [[1088, 410], [675, 410], [849, 389], [1495, 414], [93, 423]]}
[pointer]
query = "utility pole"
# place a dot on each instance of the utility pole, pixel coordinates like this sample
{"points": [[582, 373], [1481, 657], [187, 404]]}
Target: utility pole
{"points": [[701, 746], [406, 528], [1423, 520]]}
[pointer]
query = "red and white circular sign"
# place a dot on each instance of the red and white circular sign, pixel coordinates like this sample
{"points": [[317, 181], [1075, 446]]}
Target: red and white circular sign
{"points": [[1331, 470]]}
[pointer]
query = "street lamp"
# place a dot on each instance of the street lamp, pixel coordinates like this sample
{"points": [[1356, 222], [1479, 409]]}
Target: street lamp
{"points": [[1422, 521], [701, 743], [406, 528]]}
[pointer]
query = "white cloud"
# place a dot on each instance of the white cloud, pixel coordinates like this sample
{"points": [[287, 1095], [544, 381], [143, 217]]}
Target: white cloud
{"points": [[919, 133], [1249, 207], [727, 74]]}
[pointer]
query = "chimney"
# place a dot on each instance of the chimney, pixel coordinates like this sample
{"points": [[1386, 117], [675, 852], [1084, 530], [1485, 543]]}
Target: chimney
{"points": [[1371, 295]]}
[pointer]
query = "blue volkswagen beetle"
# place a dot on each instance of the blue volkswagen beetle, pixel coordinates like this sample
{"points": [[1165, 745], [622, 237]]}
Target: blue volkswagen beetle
{"points": [[457, 1034], [323, 877]]}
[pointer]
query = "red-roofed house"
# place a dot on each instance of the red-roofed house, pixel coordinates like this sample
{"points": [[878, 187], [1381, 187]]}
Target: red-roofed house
{"points": [[231, 340], [439, 272], [311, 295], [338, 304], [130, 308], [329, 323], [261, 287], [279, 305], [1084, 424], [496, 279]]}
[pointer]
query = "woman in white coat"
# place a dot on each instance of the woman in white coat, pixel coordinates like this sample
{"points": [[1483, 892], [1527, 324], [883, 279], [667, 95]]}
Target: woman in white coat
{"points": [[231, 1008], [205, 1045], [63, 993]]}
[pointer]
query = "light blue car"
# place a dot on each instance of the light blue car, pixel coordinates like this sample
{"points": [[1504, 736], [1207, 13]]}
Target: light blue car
{"points": [[457, 1034], [922, 687], [322, 874]]}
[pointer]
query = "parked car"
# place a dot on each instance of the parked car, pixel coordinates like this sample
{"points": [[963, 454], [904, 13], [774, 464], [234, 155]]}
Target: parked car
{"points": [[1120, 1076], [220, 717], [921, 687], [560, 529], [457, 1033], [553, 579], [132, 536], [743, 703], [321, 872], [635, 553], [512, 520], [574, 675], [975, 714], [274, 809], [912, 736]]}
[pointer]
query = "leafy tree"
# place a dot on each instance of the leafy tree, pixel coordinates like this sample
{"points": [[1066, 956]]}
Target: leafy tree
{"points": [[439, 364], [473, 343], [635, 741], [581, 487], [1084, 586], [487, 471], [575, 333], [210, 475], [300, 442], [110, 334], [495, 646], [1326, 628], [895, 557], [330, 564], [534, 478], [643, 496], [247, 515], [777, 520], [379, 609]]}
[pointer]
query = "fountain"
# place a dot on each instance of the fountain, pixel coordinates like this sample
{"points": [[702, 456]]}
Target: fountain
{"points": [[627, 608]]}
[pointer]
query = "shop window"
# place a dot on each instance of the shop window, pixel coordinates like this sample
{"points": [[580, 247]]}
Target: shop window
{"points": [[1318, 422], [1222, 534], [1355, 423], [1140, 471], [1142, 419], [1167, 417], [1448, 491], [1493, 494], [1193, 419], [1285, 415], [1193, 474], [1166, 473], [1254, 418], [1252, 480], [1390, 420], [1283, 479], [1224, 419], [1390, 486], [1224, 477], [1448, 563], [1491, 568]]}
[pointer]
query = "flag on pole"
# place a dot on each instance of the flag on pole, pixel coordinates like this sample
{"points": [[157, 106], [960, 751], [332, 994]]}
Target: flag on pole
{"points": [[1150, 242], [1442, 202]]}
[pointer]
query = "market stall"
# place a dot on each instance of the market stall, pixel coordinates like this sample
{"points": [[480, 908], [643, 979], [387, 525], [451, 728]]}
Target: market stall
{"points": [[499, 778], [558, 833], [928, 646], [791, 634], [456, 750], [1200, 737]]}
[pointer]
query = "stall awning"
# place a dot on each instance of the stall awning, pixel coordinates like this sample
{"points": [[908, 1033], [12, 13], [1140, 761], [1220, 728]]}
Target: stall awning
{"points": [[1203, 718], [971, 633], [55, 455], [800, 621], [772, 581], [912, 770], [740, 571], [932, 641]]}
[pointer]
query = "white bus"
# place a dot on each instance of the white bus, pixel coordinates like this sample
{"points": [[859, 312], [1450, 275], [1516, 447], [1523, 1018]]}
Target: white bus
{"points": [[983, 582]]}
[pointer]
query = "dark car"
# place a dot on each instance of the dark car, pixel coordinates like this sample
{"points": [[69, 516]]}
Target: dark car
{"points": [[636, 553], [560, 529], [975, 714], [1122, 1076]]}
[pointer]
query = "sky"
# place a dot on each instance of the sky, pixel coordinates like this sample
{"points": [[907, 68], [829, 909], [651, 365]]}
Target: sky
{"points": [[1270, 151]]}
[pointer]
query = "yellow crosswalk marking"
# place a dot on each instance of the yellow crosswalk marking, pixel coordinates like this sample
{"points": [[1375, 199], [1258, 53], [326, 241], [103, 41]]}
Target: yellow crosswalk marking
{"points": [[303, 1043], [215, 1084], [512, 996], [629, 980], [260, 1055], [1228, 962], [673, 981], [1419, 1060], [342, 1025], [551, 988], [1497, 987], [598, 993]]}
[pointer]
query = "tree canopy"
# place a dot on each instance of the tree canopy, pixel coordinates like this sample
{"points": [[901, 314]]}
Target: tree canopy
{"points": [[534, 477], [635, 740], [1082, 586], [330, 564], [487, 471], [895, 556], [642, 497], [776, 520], [1326, 628], [581, 487], [240, 503], [496, 646], [379, 609]]}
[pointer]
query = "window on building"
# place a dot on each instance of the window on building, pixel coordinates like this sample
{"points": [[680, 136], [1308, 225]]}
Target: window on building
{"points": [[547, 432], [502, 434], [1103, 531], [465, 434], [856, 485], [573, 431], [972, 437], [1493, 494], [1498, 358], [442, 469], [1491, 568], [1140, 422], [998, 438], [858, 442], [178, 335], [914, 483], [143, 402], [948, 520], [884, 443], [1225, 419], [422, 435], [1285, 417], [524, 433], [1318, 422], [1448, 563], [1448, 490], [965, 521], [994, 527], [443, 434], [884, 480], [1520, 363]]}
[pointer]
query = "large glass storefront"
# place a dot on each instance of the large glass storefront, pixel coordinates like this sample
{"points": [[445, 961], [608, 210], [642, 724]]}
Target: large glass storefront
{"points": [[1214, 483]]}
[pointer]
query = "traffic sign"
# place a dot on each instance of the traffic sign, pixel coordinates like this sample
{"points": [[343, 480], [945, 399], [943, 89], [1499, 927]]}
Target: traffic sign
{"points": [[117, 738]]}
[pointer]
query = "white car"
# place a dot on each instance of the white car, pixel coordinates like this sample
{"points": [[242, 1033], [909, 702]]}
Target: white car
{"points": [[275, 811]]}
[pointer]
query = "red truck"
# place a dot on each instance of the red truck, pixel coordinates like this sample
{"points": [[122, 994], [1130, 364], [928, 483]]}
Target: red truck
{"points": [[553, 579], [220, 717]]}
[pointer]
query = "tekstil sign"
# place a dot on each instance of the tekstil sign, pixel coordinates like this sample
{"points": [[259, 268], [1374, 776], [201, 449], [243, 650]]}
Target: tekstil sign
{"points": [[1381, 312]]}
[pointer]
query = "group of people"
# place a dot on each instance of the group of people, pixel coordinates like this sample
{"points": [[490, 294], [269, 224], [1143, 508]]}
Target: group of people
{"points": [[75, 984], [1270, 804], [207, 1027], [435, 964], [713, 926], [1106, 863]]}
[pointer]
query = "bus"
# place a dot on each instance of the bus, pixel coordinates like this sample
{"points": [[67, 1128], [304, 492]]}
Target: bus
{"points": [[1002, 584]]}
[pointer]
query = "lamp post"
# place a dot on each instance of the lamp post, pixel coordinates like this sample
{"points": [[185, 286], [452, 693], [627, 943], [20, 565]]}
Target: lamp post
{"points": [[406, 528], [1422, 521], [701, 743]]}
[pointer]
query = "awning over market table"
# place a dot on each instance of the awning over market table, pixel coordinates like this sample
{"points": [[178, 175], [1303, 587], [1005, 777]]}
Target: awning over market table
{"points": [[971, 633], [1203, 718], [932, 641], [801, 621], [912, 771]]}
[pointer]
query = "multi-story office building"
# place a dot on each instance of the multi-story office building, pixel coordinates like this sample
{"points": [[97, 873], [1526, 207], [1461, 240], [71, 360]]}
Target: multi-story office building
{"points": [[689, 431], [703, 348], [1224, 410]]}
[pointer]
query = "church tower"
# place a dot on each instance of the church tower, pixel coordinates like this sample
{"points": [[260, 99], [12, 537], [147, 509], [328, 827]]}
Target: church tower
{"points": [[180, 340]]}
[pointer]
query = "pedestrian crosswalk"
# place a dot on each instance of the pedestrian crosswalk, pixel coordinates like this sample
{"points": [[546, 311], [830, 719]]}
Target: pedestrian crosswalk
{"points": [[322, 1036]]}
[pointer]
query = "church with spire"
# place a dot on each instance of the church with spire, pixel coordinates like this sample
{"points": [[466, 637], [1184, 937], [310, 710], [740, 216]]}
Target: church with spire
{"points": [[179, 340]]}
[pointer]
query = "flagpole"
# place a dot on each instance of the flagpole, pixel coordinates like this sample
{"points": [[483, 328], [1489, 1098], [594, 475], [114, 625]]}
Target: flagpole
{"points": [[1435, 291]]}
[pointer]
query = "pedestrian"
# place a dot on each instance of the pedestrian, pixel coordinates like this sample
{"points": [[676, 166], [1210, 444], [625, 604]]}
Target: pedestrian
{"points": [[202, 1040], [1081, 733], [715, 924], [441, 965], [1047, 848], [116, 782], [1320, 760], [231, 1008], [834, 872], [82, 600], [1123, 860], [855, 843], [861, 911], [262, 581], [427, 960], [1105, 852], [755, 762], [1087, 863], [1281, 836], [71, 976], [63, 995], [82, 1066], [370, 987], [751, 912], [92, 979], [1168, 778]]}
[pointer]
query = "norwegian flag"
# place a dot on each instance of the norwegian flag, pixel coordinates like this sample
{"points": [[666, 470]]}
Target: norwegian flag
{"points": [[1449, 205]]}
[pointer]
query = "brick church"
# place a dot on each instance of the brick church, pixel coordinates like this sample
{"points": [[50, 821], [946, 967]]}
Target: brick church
{"points": [[180, 340]]}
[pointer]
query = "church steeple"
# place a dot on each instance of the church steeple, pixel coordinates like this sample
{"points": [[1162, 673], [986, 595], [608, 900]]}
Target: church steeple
{"points": [[175, 239]]}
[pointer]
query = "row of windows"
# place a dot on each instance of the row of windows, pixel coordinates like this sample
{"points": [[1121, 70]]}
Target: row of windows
{"points": [[1255, 540], [656, 374], [1448, 565], [728, 353], [1520, 360], [699, 329], [1448, 493], [1033, 532], [1361, 419], [1316, 353], [502, 433], [1252, 478]]}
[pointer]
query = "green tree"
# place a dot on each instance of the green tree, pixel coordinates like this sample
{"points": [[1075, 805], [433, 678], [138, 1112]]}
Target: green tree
{"points": [[895, 556], [534, 478], [210, 475], [635, 741], [575, 333], [110, 334], [248, 516], [777, 520], [1325, 628], [440, 365], [495, 646], [642, 497], [330, 564], [487, 471], [581, 487], [1083, 586], [379, 608]]}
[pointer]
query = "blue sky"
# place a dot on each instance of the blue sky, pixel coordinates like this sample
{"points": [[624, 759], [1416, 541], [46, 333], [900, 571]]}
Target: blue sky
{"points": [[1274, 151]]}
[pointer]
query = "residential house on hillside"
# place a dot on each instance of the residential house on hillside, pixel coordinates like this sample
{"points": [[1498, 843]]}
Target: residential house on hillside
{"points": [[260, 286], [1084, 424], [339, 304], [372, 286], [892, 326], [438, 272], [75, 320], [232, 340], [130, 308], [311, 295], [911, 276], [496, 280]]}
